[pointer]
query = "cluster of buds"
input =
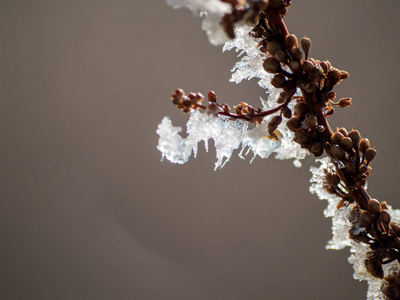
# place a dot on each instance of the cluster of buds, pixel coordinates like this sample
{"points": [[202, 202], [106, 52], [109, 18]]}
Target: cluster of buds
{"points": [[186, 103], [307, 131], [352, 155], [249, 12]]}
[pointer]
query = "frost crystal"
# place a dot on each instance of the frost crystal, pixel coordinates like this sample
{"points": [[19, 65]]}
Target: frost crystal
{"points": [[212, 12], [228, 135]]}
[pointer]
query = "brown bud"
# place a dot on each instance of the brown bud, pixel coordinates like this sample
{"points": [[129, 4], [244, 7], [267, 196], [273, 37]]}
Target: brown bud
{"points": [[344, 102], [346, 143], [212, 97], [283, 97], [294, 66], [332, 78], [300, 110], [290, 41], [324, 66], [332, 179], [278, 81], [364, 145], [384, 217], [274, 123], [340, 204], [212, 108], [336, 152], [384, 205], [286, 112], [343, 131], [305, 45], [293, 124], [281, 56], [332, 96], [365, 218], [271, 65], [355, 137], [370, 154], [395, 227], [300, 137], [296, 53], [308, 67], [311, 121], [336, 138], [273, 47], [374, 206], [316, 148]]}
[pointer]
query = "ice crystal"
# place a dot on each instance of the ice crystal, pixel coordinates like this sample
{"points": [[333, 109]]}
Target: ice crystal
{"points": [[228, 135], [212, 12]]}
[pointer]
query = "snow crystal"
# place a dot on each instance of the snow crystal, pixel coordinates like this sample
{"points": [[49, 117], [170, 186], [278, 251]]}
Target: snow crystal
{"points": [[228, 135], [212, 12]]}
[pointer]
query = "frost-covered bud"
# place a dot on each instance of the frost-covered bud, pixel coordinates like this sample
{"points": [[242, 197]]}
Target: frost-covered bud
{"points": [[370, 154], [374, 206], [355, 137], [278, 81], [346, 143], [305, 45], [336, 138], [290, 41], [364, 145], [271, 65], [365, 218], [293, 124]]}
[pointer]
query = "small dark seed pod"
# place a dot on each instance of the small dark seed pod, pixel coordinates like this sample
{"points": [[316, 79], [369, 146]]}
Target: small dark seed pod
{"points": [[308, 67], [273, 46], [384, 217], [332, 179], [384, 205], [337, 152], [286, 112], [290, 41], [324, 66], [346, 143], [300, 110], [296, 53], [300, 137], [271, 65], [370, 154], [332, 96], [278, 81], [293, 124], [316, 147], [305, 45], [281, 56], [374, 206], [364, 145], [365, 218], [336, 138], [355, 137], [212, 97], [274, 123], [395, 227], [294, 66], [343, 131], [344, 102], [311, 121]]}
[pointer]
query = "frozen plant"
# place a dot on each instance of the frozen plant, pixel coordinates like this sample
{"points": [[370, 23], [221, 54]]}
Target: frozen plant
{"points": [[291, 123]]}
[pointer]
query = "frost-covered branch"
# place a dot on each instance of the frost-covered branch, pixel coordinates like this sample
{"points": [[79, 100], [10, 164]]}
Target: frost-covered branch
{"points": [[292, 122]]}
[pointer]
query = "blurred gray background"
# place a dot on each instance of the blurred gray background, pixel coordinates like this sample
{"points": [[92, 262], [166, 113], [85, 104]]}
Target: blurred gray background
{"points": [[88, 211]]}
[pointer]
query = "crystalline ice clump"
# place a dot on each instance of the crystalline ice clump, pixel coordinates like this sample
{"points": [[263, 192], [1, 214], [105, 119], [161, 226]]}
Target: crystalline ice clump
{"points": [[228, 135], [212, 12]]}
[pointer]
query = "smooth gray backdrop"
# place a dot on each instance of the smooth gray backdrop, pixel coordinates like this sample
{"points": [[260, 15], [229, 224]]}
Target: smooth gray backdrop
{"points": [[88, 211]]}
